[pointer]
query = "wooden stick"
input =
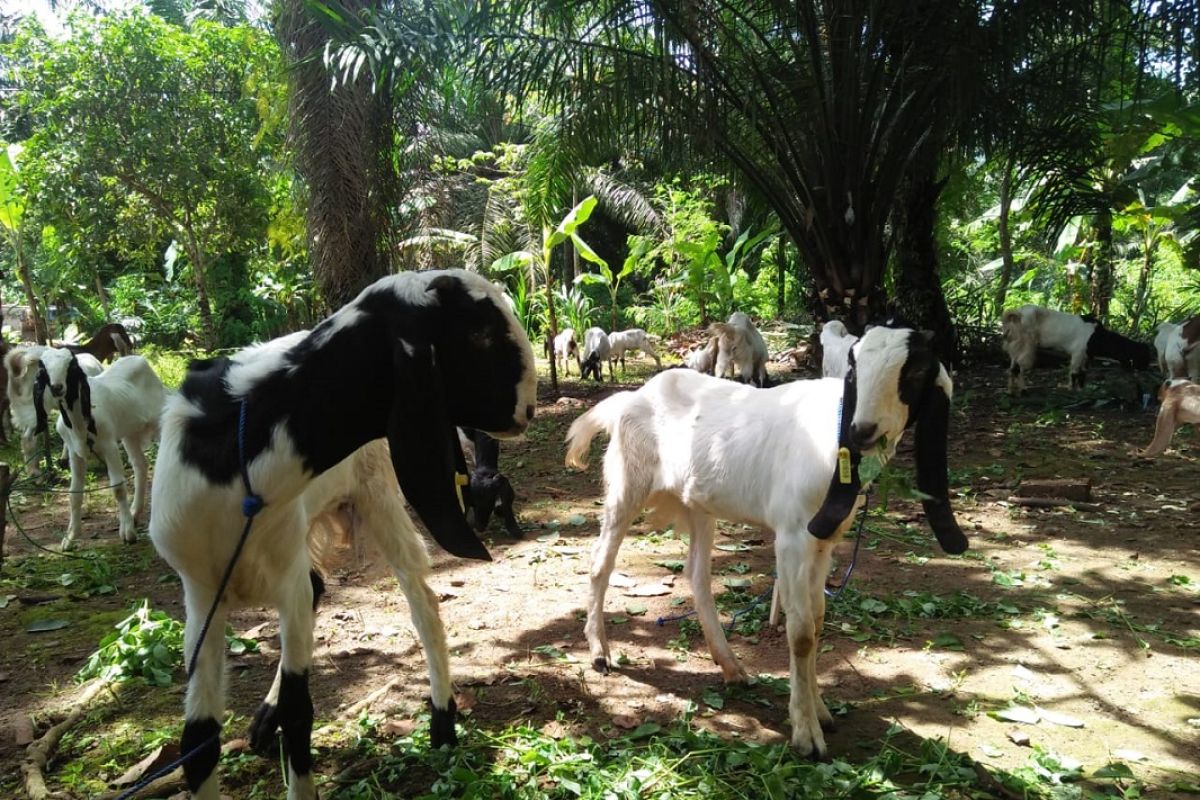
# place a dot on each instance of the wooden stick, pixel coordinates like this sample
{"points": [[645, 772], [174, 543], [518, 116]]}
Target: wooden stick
{"points": [[1054, 502], [39, 752]]}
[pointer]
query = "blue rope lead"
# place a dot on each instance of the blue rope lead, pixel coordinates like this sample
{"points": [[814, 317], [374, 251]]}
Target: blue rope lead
{"points": [[251, 505]]}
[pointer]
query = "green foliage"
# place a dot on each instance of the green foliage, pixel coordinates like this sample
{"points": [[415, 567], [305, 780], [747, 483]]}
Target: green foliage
{"points": [[147, 644]]}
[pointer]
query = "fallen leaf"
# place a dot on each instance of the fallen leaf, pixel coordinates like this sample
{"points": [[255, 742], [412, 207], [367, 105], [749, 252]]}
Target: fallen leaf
{"points": [[44, 625], [733, 547], [648, 590], [621, 581], [1018, 714], [737, 583], [635, 609], [989, 751], [397, 727], [159, 757], [1056, 718], [576, 520]]}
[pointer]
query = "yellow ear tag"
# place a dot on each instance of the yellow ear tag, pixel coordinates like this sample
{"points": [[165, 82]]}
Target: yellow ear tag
{"points": [[844, 465], [461, 480]]}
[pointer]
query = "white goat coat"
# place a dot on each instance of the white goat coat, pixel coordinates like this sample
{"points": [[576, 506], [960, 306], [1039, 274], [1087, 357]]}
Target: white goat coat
{"points": [[1175, 360], [21, 364], [741, 352], [565, 346], [1029, 327], [836, 343], [622, 342]]}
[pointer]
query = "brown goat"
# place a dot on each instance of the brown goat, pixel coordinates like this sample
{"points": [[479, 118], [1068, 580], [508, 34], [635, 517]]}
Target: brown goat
{"points": [[1180, 404], [110, 341]]}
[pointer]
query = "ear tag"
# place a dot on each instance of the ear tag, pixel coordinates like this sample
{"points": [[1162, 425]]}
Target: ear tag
{"points": [[461, 480], [844, 473]]}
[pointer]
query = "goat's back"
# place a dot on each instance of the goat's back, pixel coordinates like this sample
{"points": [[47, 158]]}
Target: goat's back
{"points": [[130, 394]]}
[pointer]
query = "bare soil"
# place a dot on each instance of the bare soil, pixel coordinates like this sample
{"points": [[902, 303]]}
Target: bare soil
{"points": [[1099, 616]]}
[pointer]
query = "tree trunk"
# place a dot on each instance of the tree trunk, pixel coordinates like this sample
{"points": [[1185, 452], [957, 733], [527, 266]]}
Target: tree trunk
{"points": [[781, 265], [1006, 252], [551, 316], [40, 332], [919, 299], [1143, 284], [200, 273], [1102, 266], [338, 136]]}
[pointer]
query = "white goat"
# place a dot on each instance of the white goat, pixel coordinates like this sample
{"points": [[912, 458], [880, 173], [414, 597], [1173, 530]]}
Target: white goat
{"points": [[23, 364], [621, 342], [1029, 327], [704, 359], [1177, 358], [596, 351], [121, 404], [414, 355], [741, 351], [836, 342], [566, 348], [697, 448]]}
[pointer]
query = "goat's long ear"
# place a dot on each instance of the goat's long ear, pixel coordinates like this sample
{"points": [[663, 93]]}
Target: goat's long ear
{"points": [[40, 384], [78, 388], [426, 454], [933, 426], [845, 484]]}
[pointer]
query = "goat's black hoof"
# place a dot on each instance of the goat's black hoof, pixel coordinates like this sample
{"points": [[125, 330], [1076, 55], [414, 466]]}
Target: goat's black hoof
{"points": [[601, 665], [441, 725], [263, 729]]}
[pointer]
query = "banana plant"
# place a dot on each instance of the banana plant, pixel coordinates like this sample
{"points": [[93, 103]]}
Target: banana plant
{"points": [[639, 246]]}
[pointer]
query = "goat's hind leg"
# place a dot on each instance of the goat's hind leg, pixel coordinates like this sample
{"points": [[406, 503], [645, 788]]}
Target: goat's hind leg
{"points": [[619, 511], [116, 478], [135, 449], [699, 566]]}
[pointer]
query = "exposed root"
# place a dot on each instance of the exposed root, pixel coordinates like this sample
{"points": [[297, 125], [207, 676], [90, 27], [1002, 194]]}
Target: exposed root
{"points": [[40, 751]]}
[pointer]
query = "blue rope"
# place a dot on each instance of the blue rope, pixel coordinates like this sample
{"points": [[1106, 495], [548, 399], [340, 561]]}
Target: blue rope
{"points": [[251, 505]]}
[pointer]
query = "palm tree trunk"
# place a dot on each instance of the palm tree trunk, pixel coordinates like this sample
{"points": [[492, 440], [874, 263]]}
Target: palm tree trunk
{"points": [[338, 136], [781, 264], [918, 295]]}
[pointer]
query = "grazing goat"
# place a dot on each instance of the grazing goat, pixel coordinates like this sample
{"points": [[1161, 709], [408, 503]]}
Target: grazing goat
{"points": [[836, 342], [622, 342], [121, 404], [741, 351], [111, 341], [1178, 353], [566, 348], [1180, 403], [1029, 327], [696, 448], [414, 355], [22, 365], [596, 350], [489, 490]]}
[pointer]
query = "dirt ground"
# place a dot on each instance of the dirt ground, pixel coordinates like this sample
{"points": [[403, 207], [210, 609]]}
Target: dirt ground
{"points": [[1092, 618]]}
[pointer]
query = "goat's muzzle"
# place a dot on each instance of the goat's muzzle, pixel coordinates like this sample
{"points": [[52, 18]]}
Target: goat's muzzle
{"points": [[863, 436]]}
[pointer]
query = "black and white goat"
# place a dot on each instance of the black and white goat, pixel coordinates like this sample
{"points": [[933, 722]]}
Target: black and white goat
{"points": [[1082, 338], [489, 491], [697, 448], [411, 357], [121, 404], [22, 365], [596, 351]]}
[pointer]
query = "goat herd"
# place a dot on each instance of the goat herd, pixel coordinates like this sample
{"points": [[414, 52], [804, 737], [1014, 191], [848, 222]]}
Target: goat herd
{"points": [[266, 455]]}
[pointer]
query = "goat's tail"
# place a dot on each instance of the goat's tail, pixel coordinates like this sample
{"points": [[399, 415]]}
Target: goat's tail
{"points": [[603, 417]]}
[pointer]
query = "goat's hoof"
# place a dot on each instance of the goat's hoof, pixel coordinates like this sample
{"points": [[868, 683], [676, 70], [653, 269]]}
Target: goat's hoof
{"points": [[263, 728], [600, 664], [829, 725], [441, 724], [68, 543]]}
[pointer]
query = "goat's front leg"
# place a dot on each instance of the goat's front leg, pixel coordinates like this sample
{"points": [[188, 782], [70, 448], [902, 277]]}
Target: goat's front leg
{"points": [[205, 704], [815, 582], [618, 515], [793, 557], [699, 566], [410, 562], [116, 478], [288, 706], [78, 474], [1164, 429]]}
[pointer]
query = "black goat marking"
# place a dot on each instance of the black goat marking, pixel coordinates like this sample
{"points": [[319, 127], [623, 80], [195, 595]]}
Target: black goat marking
{"points": [[263, 728], [441, 724], [318, 587], [1131, 354], [590, 365], [40, 384], [489, 491], [295, 715], [840, 499], [203, 736]]}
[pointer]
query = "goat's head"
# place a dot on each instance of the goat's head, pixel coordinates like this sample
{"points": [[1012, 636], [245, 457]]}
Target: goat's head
{"points": [[896, 380], [461, 359]]}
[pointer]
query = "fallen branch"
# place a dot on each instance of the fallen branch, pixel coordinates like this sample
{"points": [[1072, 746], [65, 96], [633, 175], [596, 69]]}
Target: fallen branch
{"points": [[1053, 502], [38, 754], [366, 702], [171, 783]]}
